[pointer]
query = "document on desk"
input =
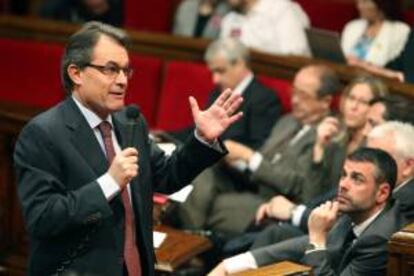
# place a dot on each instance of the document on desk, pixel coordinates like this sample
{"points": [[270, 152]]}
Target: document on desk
{"points": [[158, 238], [181, 195]]}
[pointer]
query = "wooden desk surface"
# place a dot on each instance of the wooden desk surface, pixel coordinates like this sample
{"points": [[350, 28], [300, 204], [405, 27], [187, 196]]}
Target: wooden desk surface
{"points": [[283, 268], [178, 248]]}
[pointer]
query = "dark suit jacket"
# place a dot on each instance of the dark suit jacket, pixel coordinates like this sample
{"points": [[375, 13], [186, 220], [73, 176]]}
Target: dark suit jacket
{"points": [[261, 109], [405, 61], [288, 174], [404, 197], [366, 256], [71, 225]]}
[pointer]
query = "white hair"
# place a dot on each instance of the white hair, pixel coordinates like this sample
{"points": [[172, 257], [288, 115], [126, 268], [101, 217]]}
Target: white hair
{"points": [[401, 133], [230, 48]]}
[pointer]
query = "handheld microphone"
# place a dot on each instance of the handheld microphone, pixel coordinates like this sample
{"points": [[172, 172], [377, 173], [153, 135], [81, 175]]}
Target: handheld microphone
{"points": [[132, 114]]}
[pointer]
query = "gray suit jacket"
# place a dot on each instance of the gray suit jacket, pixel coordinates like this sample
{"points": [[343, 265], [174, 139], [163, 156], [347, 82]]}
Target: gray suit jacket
{"points": [[366, 256], [288, 173], [186, 19]]}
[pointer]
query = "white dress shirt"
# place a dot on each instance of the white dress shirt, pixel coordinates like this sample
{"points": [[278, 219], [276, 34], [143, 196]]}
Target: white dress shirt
{"points": [[247, 261], [107, 183]]}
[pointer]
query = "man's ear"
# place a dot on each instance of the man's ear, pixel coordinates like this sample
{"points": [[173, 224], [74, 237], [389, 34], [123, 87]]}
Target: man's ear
{"points": [[408, 169], [383, 192], [327, 101], [74, 74]]}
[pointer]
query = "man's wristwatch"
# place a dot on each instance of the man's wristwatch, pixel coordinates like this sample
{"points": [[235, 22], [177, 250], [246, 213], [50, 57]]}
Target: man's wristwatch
{"points": [[313, 247]]}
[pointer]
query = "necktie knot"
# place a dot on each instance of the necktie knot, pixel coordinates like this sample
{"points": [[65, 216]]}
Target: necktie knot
{"points": [[105, 128]]}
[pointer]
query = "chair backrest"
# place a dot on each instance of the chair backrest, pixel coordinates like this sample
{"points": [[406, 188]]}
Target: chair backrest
{"points": [[31, 72], [151, 16], [145, 85], [329, 14], [181, 80], [409, 17], [283, 90]]}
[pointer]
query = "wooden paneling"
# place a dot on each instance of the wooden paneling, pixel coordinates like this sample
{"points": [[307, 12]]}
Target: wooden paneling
{"points": [[279, 269], [170, 47], [401, 253]]}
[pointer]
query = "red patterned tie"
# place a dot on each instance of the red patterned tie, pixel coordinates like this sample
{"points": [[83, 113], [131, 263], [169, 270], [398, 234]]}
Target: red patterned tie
{"points": [[131, 254]]}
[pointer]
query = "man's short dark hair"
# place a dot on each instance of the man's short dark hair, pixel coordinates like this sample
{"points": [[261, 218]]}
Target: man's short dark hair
{"points": [[385, 165], [79, 49], [329, 81], [397, 108]]}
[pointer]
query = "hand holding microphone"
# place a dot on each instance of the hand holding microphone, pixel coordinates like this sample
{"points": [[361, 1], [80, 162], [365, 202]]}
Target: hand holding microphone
{"points": [[124, 166]]}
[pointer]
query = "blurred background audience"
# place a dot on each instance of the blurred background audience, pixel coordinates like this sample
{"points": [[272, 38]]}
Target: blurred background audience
{"points": [[378, 36], [271, 26], [200, 18], [79, 11]]}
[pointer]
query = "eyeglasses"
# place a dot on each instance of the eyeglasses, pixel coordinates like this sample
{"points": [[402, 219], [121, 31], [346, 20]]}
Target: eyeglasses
{"points": [[305, 96], [112, 70], [354, 99]]}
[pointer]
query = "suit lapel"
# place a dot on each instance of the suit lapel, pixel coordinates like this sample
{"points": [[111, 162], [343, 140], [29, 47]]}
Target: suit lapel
{"points": [[279, 136], [83, 138]]}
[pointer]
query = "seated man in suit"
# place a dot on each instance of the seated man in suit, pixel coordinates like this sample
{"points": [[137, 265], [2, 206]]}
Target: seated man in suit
{"points": [[227, 202], [228, 61], [347, 236], [296, 216], [86, 168]]}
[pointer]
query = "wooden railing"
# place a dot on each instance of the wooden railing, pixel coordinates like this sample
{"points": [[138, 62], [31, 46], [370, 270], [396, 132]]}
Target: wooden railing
{"points": [[170, 47]]}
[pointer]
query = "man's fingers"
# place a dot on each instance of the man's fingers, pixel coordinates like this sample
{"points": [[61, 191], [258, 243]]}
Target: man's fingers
{"points": [[129, 152], [234, 106], [335, 207], [234, 118], [195, 109], [231, 100], [223, 97], [260, 213]]}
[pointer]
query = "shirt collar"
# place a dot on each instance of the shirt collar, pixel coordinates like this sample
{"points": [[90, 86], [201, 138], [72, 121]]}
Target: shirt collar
{"points": [[239, 89], [92, 119], [399, 187], [360, 228]]}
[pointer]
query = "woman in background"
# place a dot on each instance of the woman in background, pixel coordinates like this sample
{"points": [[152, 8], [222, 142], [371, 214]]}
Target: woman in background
{"points": [[338, 137], [378, 36]]}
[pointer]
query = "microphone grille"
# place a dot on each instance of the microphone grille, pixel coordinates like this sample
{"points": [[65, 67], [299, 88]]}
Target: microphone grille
{"points": [[132, 112]]}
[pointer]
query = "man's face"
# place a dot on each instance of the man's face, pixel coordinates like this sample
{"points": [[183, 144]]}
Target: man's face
{"points": [[375, 117], [306, 106], [100, 92], [356, 106], [358, 192], [226, 74]]}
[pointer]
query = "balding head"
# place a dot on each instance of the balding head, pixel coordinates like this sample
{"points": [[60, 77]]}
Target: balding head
{"points": [[313, 88]]}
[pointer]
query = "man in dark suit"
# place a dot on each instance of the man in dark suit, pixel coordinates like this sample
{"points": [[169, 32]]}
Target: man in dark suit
{"points": [[296, 216], [228, 60], [86, 170], [353, 243], [220, 203]]}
